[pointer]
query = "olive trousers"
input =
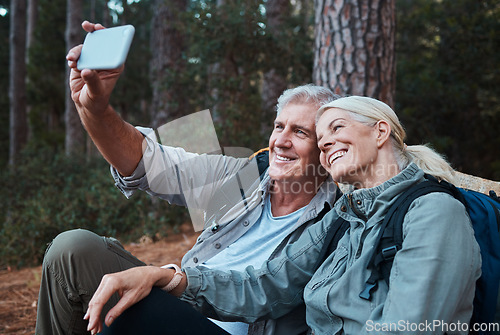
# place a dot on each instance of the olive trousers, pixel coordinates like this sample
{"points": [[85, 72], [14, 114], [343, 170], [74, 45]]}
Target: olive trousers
{"points": [[73, 267]]}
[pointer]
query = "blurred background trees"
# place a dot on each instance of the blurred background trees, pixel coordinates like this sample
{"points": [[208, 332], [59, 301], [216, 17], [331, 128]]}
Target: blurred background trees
{"points": [[435, 61], [448, 79]]}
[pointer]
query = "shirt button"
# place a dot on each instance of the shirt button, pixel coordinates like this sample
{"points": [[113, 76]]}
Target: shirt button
{"points": [[195, 259], [215, 228], [343, 209], [217, 245], [246, 223]]}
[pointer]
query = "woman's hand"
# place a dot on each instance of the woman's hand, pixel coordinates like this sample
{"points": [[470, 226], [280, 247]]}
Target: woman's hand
{"points": [[132, 285], [90, 89]]}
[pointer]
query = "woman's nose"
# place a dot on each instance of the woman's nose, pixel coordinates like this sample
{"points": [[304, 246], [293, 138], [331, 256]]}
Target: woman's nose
{"points": [[324, 143]]}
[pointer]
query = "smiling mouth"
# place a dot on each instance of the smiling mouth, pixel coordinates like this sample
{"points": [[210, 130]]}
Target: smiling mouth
{"points": [[336, 155], [283, 159]]}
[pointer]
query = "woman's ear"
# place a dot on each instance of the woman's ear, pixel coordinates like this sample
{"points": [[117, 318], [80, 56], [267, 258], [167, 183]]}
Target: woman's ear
{"points": [[383, 129]]}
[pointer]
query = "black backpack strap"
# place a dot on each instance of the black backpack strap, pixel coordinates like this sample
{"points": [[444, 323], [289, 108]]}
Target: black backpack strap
{"points": [[262, 157], [492, 194], [390, 238]]}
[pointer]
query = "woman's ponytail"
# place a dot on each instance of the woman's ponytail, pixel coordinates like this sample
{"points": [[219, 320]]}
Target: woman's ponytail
{"points": [[430, 161]]}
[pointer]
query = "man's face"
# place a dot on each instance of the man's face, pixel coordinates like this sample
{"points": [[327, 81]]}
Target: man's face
{"points": [[293, 151]]}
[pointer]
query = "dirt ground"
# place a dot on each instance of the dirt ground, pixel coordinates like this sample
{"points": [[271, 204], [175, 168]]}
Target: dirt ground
{"points": [[19, 288]]}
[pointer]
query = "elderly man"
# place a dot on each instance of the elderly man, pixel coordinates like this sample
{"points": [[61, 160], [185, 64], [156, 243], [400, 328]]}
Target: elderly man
{"points": [[293, 193]]}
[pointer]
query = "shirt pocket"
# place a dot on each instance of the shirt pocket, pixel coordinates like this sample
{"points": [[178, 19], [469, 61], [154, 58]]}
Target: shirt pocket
{"points": [[330, 267]]}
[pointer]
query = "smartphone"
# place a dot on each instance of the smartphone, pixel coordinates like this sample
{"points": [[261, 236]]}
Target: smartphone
{"points": [[106, 49]]}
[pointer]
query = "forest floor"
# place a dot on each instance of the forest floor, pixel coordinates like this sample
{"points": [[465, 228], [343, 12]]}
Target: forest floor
{"points": [[19, 288]]}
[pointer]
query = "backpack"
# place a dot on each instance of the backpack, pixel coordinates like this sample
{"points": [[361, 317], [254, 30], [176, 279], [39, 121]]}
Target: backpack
{"points": [[484, 212], [262, 159]]}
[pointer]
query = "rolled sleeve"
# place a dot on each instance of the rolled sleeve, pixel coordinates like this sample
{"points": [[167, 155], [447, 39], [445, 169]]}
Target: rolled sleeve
{"points": [[193, 276], [128, 185]]}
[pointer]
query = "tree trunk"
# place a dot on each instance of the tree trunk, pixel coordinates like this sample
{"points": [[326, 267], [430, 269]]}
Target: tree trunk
{"points": [[216, 71], [30, 31], [167, 64], [32, 18], [75, 139], [275, 81], [354, 47], [17, 85]]}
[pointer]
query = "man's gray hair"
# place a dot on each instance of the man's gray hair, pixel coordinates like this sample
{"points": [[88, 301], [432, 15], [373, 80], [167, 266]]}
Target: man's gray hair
{"points": [[306, 94]]}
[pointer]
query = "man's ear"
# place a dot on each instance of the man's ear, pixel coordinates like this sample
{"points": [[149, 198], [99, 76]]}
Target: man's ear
{"points": [[383, 129]]}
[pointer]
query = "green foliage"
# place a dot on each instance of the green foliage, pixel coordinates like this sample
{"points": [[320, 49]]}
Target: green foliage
{"points": [[48, 76], [224, 55], [448, 79], [290, 50], [230, 47], [49, 193]]}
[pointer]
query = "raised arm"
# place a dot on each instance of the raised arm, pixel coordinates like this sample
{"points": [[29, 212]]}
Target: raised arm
{"points": [[118, 141]]}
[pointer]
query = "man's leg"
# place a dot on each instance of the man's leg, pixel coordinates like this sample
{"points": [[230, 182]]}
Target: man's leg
{"points": [[73, 267], [161, 313]]}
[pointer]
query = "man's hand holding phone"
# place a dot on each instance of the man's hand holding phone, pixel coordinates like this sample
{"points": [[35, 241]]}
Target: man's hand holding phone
{"points": [[118, 141], [91, 88]]}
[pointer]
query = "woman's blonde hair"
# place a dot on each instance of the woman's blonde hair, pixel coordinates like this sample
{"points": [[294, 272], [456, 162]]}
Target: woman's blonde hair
{"points": [[369, 111]]}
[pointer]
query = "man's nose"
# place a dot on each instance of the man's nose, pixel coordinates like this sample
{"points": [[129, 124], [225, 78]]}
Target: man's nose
{"points": [[283, 139]]}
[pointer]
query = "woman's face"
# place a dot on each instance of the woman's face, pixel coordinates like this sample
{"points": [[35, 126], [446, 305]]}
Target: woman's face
{"points": [[349, 149]]}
